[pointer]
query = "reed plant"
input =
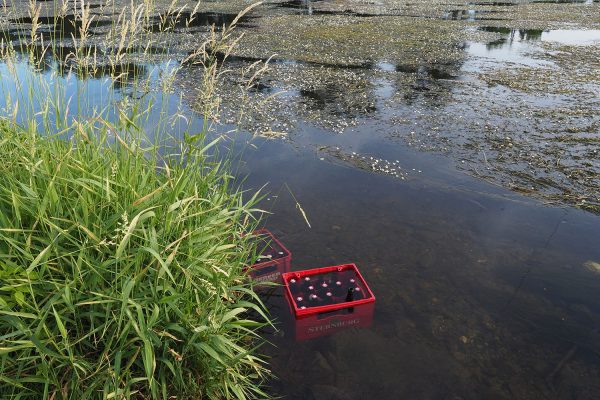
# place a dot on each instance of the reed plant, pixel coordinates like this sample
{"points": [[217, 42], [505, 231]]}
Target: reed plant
{"points": [[122, 253]]}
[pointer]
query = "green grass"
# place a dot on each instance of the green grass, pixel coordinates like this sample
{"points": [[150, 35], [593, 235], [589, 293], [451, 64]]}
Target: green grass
{"points": [[122, 271], [122, 251]]}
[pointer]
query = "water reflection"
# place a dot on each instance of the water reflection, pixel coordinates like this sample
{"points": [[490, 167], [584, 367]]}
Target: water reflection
{"points": [[573, 37], [60, 60], [307, 7], [185, 21], [471, 15], [304, 6], [511, 36], [56, 28], [80, 93], [519, 45], [564, 36]]}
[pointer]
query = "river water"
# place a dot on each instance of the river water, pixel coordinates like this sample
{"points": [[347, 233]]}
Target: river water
{"points": [[481, 291]]}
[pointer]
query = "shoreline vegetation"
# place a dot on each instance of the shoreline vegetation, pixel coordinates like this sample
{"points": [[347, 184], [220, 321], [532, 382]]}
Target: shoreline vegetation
{"points": [[122, 251]]}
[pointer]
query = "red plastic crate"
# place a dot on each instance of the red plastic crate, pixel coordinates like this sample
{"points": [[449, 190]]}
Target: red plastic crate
{"points": [[269, 269], [332, 312]]}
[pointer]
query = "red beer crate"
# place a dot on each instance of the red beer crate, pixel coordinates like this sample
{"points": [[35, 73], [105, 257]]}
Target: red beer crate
{"points": [[327, 300], [274, 259]]}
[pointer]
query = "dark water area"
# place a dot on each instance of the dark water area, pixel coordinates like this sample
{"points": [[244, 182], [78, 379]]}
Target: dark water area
{"points": [[306, 7], [57, 28], [565, 1], [187, 21], [472, 15], [481, 293], [69, 26], [493, 3], [478, 291]]}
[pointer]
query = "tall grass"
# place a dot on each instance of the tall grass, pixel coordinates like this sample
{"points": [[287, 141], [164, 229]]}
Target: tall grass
{"points": [[121, 260]]}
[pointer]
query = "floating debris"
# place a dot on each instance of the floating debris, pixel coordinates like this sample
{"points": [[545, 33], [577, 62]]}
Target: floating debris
{"points": [[592, 266]]}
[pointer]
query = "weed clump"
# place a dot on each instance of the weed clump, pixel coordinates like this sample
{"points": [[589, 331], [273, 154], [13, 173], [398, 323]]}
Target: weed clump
{"points": [[121, 271]]}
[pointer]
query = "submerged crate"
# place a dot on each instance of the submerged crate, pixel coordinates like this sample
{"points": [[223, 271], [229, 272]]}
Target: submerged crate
{"points": [[273, 260], [327, 300]]}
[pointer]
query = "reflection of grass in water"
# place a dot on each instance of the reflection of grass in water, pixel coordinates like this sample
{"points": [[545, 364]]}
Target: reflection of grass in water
{"points": [[122, 265]]}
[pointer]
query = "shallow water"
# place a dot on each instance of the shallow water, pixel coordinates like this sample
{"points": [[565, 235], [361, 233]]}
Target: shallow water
{"points": [[481, 292]]}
